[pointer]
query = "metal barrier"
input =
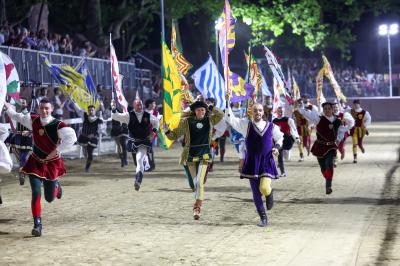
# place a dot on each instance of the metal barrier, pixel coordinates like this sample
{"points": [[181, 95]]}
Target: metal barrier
{"points": [[31, 69]]}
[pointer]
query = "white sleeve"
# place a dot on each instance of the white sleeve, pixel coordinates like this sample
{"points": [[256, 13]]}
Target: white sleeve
{"points": [[3, 132], [120, 117], [348, 118], [68, 138], [310, 115], [367, 119], [293, 129], [239, 124], [154, 121], [24, 119], [220, 128], [341, 131], [277, 135]]}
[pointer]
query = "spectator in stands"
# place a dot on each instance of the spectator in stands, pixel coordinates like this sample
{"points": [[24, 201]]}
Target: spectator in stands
{"points": [[65, 45], [87, 50], [43, 43], [58, 103], [54, 43]]}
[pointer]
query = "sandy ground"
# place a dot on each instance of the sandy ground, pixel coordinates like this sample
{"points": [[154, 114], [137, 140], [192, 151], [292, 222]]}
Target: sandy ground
{"points": [[102, 220]]}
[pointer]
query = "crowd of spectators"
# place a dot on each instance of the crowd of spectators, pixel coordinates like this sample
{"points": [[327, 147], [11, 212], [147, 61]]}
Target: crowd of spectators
{"points": [[43, 41], [353, 81]]}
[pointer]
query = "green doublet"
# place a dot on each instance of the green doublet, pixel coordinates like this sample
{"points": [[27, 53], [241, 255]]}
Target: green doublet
{"points": [[199, 139]]}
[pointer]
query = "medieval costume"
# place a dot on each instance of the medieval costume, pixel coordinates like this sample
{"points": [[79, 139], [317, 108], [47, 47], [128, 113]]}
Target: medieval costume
{"points": [[304, 132], [259, 165], [89, 137], [290, 135], [348, 122], [329, 131], [44, 164], [362, 121], [196, 154], [237, 139], [141, 126], [119, 132]]}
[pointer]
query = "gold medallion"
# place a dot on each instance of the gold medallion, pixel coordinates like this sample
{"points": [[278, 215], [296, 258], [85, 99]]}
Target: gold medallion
{"points": [[330, 126], [41, 132]]}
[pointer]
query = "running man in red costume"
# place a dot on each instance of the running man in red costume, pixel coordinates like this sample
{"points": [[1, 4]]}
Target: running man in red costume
{"points": [[362, 120], [44, 165], [329, 132]]}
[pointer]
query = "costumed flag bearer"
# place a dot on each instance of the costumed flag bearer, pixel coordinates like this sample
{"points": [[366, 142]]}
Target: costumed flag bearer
{"points": [[348, 122], [44, 165]]}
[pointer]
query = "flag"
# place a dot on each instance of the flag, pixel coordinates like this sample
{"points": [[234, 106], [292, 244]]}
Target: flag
{"points": [[254, 75], [277, 97], [72, 83], [278, 74], [257, 79], [226, 39], [116, 79], [172, 94], [296, 90], [319, 83], [176, 49], [289, 80], [210, 83], [329, 74], [3, 83], [12, 78], [84, 71], [240, 89], [182, 63]]}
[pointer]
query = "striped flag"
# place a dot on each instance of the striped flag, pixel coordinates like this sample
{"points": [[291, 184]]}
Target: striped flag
{"points": [[91, 88], [116, 78], [210, 83], [329, 74], [256, 78]]}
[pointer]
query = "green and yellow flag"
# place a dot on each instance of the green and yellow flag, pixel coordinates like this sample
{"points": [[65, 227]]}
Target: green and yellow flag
{"points": [[172, 95]]}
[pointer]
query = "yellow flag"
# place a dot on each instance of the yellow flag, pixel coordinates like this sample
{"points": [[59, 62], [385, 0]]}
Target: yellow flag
{"points": [[172, 94]]}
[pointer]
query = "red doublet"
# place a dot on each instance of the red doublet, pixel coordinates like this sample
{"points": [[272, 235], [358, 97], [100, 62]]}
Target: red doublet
{"points": [[45, 140], [358, 122], [326, 137], [283, 124]]}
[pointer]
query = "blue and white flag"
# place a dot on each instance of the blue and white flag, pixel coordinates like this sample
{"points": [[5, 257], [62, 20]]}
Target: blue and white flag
{"points": [[210, 83], [264, 87]]}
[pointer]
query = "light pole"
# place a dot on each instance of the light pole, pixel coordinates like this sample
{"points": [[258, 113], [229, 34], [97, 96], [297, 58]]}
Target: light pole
{"points": [[387, 30]]}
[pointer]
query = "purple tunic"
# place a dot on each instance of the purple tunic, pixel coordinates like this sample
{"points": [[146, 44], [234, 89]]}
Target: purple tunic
{"points": [[259, 161]]}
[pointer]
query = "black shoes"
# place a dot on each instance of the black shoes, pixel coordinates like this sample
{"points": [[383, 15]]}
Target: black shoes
{"points": [[21, 177], [263, 218], [328, 187], [59, 193], [138, 180], [37, 227], [270, 200]]}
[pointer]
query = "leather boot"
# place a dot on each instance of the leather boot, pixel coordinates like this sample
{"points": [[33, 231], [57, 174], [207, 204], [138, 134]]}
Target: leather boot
{"points": [[263, 218], [197, 209], [37, 226]]}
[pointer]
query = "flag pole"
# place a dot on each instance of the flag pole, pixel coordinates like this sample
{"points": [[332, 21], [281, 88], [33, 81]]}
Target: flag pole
{"points": [[112, 78], [162, 55], [226, 55]]}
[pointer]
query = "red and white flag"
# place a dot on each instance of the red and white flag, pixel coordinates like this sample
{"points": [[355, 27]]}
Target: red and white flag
{"points": [[117, 79]]}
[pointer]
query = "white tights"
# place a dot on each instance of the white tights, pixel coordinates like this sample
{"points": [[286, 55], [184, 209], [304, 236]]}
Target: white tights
{"points": [[141, 153]]}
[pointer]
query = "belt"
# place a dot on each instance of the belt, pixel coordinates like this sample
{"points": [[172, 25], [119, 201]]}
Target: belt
{"points": [[327, 143], [45, 161]]}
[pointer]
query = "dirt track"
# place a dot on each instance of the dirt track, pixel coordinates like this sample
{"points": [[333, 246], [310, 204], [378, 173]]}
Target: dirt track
{"points": [[101, 220]]}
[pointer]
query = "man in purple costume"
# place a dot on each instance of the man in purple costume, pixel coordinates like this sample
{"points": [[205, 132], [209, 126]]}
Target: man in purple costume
{"points": [[259, 165]]}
